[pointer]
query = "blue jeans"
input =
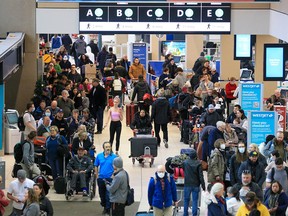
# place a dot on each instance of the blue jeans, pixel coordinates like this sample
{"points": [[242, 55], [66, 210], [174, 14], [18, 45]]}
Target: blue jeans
{"points": [[187, 195]]}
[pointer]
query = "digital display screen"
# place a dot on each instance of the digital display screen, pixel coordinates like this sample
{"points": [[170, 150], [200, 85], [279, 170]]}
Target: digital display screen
{"points": [[275, 56], [12, 118], [176, 48], [242, 47]]}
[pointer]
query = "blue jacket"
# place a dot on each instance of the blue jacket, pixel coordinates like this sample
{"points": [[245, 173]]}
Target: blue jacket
{"points": [[217, 209], [52, 144], [282, 202], [155, 195]]}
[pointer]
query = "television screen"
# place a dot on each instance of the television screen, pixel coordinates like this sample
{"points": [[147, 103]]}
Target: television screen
{"points": [[176, 48], [12, 117], [242, 47], [275, 56]]}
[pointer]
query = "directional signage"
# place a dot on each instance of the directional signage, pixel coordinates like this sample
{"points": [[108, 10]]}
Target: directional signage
{"points": [[154, 17]]}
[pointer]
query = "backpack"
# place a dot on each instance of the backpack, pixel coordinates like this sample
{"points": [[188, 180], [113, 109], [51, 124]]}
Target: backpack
{"points": [[273, 172], [20, 123], [181, 100], [117, 85], [173, 101], [18, 151]]}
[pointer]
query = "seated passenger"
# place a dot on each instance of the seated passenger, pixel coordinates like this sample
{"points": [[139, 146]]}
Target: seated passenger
{"points": [[81, 141], [141, 123], [79, 166]]}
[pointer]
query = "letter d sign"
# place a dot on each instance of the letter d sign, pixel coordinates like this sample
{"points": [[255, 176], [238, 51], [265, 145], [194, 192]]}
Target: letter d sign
{"points": [[180, 13]]}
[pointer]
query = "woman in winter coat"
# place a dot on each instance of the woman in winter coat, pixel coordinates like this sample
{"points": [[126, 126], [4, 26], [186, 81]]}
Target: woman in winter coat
{"points": [[216, 203], [276, 200], [216, 165], [44, 202]]}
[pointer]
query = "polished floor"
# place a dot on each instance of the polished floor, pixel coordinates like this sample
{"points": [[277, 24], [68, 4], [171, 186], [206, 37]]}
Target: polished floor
{"points": [[139, 176]]}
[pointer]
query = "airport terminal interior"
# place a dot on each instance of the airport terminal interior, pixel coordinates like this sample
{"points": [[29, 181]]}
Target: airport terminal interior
{"points": [[241, 39]]}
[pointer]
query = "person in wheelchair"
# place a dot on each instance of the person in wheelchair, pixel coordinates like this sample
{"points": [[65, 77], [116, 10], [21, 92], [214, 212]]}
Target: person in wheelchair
{"points": [[141, 123], [79, 167]]}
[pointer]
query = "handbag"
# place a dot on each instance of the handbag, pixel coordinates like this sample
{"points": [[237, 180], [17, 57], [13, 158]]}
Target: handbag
{"points": [[130, 194]]}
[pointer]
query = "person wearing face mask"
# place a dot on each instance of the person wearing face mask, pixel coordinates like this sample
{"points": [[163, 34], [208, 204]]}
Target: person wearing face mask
{"points": [[216, 163], [256, 169], [237, 158], [247, 185], [29, 120], [103, 172], [162, 192]]}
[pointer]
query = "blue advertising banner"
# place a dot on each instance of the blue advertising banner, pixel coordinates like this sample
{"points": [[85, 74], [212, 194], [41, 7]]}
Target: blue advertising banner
{"points": [[140, 50], [251, 96], [261, 124]]}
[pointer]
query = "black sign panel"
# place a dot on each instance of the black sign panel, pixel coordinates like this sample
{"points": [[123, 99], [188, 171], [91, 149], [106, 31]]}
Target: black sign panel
{"points": [[99, 14], [185, 14], [154, 18], [153, 14], [216, 14], [123, 14]]}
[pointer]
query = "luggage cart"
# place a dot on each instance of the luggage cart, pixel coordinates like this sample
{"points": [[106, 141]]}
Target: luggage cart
{"points": [[144, 149]]}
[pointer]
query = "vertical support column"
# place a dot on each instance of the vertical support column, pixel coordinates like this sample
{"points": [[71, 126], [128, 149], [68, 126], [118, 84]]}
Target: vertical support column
{"points": [[155, 47], [229, 66], [269, 86], [2, 94], [194, 46], [121, 39]]}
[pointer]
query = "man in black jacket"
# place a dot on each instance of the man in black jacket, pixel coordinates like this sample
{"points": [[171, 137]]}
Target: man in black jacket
{"points": [[256, 168], [161, 117], [193, 178], [98, 99], [247, 185]]}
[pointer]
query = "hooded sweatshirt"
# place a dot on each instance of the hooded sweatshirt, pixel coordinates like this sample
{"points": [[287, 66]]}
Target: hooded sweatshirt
{"points": [[160, 111]]}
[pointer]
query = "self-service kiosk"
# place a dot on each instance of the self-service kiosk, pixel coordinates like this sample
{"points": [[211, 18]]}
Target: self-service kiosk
{"points": [[12, 133], [246, 76]]}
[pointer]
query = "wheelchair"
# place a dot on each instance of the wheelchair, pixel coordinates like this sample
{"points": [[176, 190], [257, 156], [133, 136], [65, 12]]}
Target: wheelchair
{"points": [[90, 181]]}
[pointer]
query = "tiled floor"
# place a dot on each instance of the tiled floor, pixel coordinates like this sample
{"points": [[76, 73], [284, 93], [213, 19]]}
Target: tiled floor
{"points": [[139, 176]]}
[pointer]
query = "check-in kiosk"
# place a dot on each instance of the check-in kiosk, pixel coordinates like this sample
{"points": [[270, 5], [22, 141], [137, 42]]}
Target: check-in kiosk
{"points": [[12, 133], [246, 76]]}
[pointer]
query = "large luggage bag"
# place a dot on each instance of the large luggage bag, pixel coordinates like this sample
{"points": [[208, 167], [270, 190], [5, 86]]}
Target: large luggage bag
{"points": [[187, 130], [138, 145], [131, 109], [145, 213], [60, 181]]}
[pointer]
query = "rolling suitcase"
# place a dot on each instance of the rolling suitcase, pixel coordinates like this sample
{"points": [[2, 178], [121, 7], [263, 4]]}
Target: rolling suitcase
{"points": [[60, 181], [145, 213], [131, 109]]}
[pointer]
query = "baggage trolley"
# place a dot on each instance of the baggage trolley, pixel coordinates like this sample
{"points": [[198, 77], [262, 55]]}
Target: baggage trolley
{"points": [[144, 149]]}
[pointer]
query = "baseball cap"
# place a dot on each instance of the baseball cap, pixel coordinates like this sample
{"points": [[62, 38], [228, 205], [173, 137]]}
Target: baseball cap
{"points": [[21, 174], [60, 110], [253, 154], [211, 106]]}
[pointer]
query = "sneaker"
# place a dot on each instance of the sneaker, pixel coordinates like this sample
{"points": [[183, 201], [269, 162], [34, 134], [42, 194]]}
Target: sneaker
{"points": [[117, 153], [85, 193], [98, 132], [165, 143]]}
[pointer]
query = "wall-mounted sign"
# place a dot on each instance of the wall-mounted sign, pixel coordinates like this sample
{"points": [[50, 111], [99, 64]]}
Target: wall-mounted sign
{"points": [[151, 17], [261, 124]]}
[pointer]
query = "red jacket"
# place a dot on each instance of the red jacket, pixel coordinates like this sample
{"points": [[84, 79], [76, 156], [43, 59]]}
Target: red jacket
{"points": [[3, 202], [228, 88]]}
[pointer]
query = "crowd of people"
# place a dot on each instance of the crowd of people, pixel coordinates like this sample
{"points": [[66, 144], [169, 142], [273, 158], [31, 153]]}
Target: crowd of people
{"points": [[70, 106]]}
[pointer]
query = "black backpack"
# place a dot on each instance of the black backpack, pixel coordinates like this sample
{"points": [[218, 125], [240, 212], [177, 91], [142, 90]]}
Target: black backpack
{"points": [[21, 124], [18, 151]]}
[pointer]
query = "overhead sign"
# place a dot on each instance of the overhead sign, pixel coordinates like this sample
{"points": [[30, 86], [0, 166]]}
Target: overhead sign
{"points": [[251, 96], [261, 124], [151, 17]]}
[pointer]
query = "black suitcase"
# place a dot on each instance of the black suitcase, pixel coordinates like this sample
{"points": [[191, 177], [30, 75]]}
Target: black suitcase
{"points": [[138, 145], [60, 181]]}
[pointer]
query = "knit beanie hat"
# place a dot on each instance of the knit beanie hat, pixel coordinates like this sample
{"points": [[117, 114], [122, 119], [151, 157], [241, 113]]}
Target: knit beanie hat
{"points": [[118, 162]]}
